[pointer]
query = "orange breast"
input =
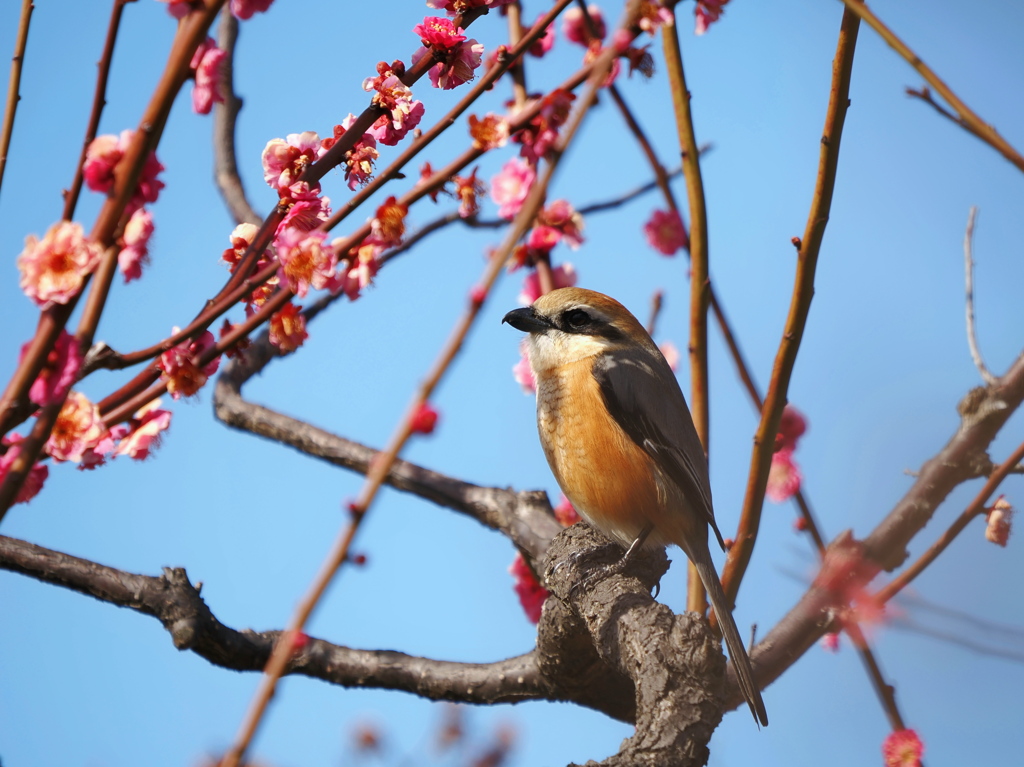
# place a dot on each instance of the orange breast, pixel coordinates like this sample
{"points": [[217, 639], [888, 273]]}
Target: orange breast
{"points": [[607, 477]]}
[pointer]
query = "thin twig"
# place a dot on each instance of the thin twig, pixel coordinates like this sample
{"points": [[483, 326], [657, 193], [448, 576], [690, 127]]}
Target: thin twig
{"points": [[972, 338], [974, 509], [976, 125], [925, 95], [799, 308], [99, 100], [14, 85]]}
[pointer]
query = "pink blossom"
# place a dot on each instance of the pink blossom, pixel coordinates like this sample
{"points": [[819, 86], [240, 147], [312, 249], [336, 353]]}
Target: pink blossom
{"points": [[707, 13], [439, 33], [244, 9], [179, 9], [999, 517], [102, 157], [284, 160], [468, 191], [523, 373], [665, 232], [142, 435], [60, 371], [543, 239], [401, 112], [135, 252], [179, 366], [545, 42], [78, 427], [388, 226], [36, 475], [792, 426], [288, 328], [424, 420], [241, 238], [531, 594], [356, 271], [360, 158], [541, 134], [845, 575], [565, 513], [55, 268], [391, 128], [562, 276], [671, 354], [96, 455], [561, 216], [489, 132], [784, 478], [208, 63], [306, 215], [456, 66], [511, 185], [653, 15], [902, 748], [576, 29], [304, 262], [830, 642]]}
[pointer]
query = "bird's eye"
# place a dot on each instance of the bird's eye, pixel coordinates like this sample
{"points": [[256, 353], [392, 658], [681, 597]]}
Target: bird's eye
{"points": [[576, 318]]}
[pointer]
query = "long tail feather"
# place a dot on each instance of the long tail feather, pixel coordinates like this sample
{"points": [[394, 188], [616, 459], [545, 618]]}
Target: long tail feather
{"points": [[701, 559]]}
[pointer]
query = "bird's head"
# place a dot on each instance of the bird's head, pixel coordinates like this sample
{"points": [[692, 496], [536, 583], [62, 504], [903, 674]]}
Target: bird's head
{"points": [[571, 324]]}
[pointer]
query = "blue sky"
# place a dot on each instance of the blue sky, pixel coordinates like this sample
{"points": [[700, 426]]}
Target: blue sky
{"points": [[883, 364]]}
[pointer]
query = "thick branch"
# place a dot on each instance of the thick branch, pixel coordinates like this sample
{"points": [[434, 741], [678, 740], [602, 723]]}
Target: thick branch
{"points": [[177, 604], [525, 517]]}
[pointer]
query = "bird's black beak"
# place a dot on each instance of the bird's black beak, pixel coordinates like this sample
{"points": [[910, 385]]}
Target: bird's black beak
{"points": [[527, 320]]}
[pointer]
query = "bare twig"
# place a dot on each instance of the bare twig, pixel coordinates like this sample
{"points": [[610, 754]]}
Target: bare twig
{"points": [[925, 95], [974, 509], [972, 338], [99, 100], [14, 84], [972, 121], [799, 308], [225, 118]]}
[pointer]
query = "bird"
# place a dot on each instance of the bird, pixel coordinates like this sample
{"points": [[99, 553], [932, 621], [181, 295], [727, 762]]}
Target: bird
{"points": [[620, 440]]}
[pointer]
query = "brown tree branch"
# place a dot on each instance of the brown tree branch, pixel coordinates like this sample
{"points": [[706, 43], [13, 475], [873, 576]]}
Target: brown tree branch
{"points": [[800, 304], [974, 509], [14, 84], [525, 517], [225, 118], [925, 95], [972, 121], [177, 604]]}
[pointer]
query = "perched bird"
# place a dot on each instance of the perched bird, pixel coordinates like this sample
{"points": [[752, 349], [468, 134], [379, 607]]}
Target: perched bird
{"points": [[620, 440]]}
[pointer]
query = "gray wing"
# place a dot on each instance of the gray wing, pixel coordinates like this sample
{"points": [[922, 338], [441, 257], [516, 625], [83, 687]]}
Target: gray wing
{"points": [[642, 395]]}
